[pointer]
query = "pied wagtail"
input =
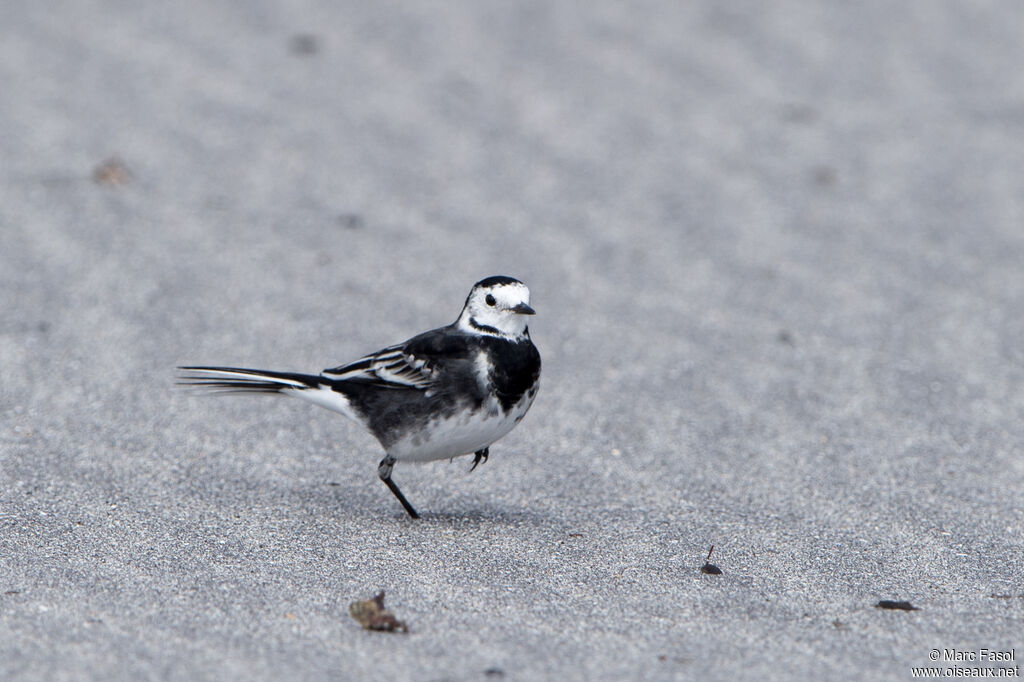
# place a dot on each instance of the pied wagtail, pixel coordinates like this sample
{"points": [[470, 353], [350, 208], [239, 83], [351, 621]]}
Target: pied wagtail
{"points": [[448, 392]]}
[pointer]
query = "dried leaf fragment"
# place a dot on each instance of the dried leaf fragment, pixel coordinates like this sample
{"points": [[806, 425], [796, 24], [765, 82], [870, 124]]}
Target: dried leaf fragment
{"points": [[372, 615], [111, 172]]}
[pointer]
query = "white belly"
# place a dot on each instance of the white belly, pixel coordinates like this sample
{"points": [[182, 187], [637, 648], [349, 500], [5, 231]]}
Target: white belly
{"points": [[460, 434]]}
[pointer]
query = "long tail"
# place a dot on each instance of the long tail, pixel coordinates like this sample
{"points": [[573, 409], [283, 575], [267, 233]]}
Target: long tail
{"points": [[242, 380], [313, 388]]}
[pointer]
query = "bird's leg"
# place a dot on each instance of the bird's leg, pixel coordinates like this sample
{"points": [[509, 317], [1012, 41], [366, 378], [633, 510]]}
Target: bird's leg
{"points": [[384, 472], [481, 456]]}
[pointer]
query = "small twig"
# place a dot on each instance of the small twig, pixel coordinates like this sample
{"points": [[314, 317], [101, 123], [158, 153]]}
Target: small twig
{"points": [[709, 568]]}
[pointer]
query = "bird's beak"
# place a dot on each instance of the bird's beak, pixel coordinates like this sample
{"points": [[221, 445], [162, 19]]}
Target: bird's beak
{"points": [[524, 309]]}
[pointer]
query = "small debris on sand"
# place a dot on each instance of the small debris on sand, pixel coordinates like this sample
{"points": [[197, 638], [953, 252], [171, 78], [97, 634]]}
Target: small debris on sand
{"points": [[372, 615], [710, 568], [111, 172], [896, 605]]}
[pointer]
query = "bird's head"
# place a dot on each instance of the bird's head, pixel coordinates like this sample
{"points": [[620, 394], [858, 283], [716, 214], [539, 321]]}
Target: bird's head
{"points": [[498, 306]]}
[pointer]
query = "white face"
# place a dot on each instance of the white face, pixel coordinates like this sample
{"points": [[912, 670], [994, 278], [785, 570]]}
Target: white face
{"points": [[504, 307]]}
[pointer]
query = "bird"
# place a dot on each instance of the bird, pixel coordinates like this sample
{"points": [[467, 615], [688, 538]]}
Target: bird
{"points": [[445, 393]]}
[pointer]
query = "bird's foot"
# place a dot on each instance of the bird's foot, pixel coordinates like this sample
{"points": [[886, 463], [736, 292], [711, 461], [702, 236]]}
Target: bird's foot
{"points": [[480, 456]]}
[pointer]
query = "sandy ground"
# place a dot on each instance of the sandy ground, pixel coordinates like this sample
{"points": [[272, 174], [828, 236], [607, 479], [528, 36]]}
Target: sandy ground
{"points": [[778, 258]]}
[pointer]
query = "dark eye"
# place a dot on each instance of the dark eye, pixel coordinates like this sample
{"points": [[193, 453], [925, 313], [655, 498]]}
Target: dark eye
{"points": [[490, 300]]}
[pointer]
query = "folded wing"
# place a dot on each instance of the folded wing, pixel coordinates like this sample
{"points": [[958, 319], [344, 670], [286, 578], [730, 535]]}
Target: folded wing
{"points": [[392, 367], [410, 365]]}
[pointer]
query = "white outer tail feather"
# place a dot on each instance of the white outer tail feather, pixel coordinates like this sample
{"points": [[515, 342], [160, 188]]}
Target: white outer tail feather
{"points": [[322, 395]]}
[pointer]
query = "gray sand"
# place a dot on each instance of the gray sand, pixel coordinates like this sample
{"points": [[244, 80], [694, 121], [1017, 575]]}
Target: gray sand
{"points": [[778, 259]]}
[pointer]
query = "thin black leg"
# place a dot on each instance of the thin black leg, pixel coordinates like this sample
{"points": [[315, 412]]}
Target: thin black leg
{"points": [[481, 456], [384, 472]]}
